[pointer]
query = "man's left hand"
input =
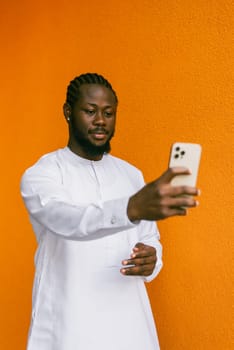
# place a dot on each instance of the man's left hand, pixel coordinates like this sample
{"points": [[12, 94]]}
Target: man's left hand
{"points": [[142, 261]]}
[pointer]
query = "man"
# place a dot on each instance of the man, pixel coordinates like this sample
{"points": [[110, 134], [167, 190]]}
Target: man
{"points": [[93, 217]]}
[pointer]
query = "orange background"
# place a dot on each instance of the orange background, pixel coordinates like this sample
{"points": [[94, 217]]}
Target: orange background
{"points": [[171, 63]]}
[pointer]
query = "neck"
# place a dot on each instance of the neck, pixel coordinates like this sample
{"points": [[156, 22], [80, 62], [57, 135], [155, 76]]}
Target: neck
{"points": [[83, 152]]}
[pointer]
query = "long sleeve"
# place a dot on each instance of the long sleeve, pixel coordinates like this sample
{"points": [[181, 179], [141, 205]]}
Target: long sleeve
{"points": [[50, 205], [149, 235], [78, 209], [77, 200]]}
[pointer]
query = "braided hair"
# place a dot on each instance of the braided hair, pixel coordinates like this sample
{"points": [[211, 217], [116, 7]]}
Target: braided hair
{"points": [[73, 89]]}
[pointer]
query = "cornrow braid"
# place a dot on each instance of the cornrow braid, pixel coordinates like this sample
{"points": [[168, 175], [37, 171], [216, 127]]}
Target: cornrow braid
{"points": [[73, 89]]}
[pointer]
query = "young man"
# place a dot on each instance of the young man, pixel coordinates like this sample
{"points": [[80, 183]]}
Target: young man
{"points": [[93, 217]]}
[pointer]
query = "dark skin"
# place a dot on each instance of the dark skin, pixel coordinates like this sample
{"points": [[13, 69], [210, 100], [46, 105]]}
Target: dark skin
{"points": [[92, 121]]}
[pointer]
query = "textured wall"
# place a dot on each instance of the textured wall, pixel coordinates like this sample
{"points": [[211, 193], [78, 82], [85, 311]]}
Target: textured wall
{"points": [[171, 63]]}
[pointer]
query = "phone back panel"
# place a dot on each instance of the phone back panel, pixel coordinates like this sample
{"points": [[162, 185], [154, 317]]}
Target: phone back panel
{"points": [[185, 155]]}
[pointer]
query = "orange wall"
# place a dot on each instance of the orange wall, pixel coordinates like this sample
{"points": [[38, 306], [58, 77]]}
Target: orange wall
{"points": [[170, 62]]}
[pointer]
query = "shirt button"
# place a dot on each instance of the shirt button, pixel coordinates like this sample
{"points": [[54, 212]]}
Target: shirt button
{"points": [[113, 220]]}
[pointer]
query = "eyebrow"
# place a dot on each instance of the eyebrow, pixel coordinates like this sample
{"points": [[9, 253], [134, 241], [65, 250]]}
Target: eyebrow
{"points": [[94, 105]]}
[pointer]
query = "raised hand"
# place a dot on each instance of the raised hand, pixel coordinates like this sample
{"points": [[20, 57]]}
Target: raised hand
{"points": [[159, 199]]}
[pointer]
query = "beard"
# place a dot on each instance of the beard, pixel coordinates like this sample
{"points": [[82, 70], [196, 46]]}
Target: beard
{"points": [[89, 148]]}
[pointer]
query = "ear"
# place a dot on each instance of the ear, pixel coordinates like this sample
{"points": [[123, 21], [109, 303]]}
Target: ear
{"points": [[67, 111]]}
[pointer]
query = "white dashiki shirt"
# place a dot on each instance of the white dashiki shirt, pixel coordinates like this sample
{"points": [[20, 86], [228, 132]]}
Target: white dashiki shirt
{"points": [[81, 301]]}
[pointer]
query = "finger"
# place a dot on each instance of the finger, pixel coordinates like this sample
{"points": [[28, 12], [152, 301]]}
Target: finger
{"points": [[177, 202], [144, 270], [146, 252], [168, 175], [177, 206], [139, 245], [181, 211], [183, 190], [140, 261]]}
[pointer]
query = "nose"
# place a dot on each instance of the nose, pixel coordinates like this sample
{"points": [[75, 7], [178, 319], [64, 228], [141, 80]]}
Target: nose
{"points": [[99, 118]]}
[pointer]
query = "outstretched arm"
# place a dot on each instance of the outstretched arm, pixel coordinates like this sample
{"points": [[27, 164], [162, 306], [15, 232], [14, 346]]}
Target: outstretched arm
{"points": [[51, 206]]}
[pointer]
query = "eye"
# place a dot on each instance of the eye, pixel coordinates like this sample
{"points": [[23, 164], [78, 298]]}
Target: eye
{"points": [[89, 111], [108, 114]]}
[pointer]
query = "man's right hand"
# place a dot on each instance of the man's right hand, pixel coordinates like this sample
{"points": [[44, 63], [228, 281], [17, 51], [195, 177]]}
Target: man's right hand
{"points": [[159, 199]]}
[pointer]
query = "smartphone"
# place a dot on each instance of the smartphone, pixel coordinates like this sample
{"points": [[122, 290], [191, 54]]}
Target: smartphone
{"points": [[185, 155]]}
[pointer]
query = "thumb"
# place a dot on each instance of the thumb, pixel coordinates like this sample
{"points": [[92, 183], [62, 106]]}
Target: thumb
{"points": [[168, 175], [139, 246]]}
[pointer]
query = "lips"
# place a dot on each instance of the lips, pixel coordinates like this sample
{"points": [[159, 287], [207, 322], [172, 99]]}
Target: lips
{"points": [[98, 133]]}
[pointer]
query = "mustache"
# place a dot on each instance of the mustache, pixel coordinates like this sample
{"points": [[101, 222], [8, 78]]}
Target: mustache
{"points": [[98, 131]]}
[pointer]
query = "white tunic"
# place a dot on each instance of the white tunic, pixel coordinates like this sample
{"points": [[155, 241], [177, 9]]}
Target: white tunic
{"points": [[81, 301]]}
